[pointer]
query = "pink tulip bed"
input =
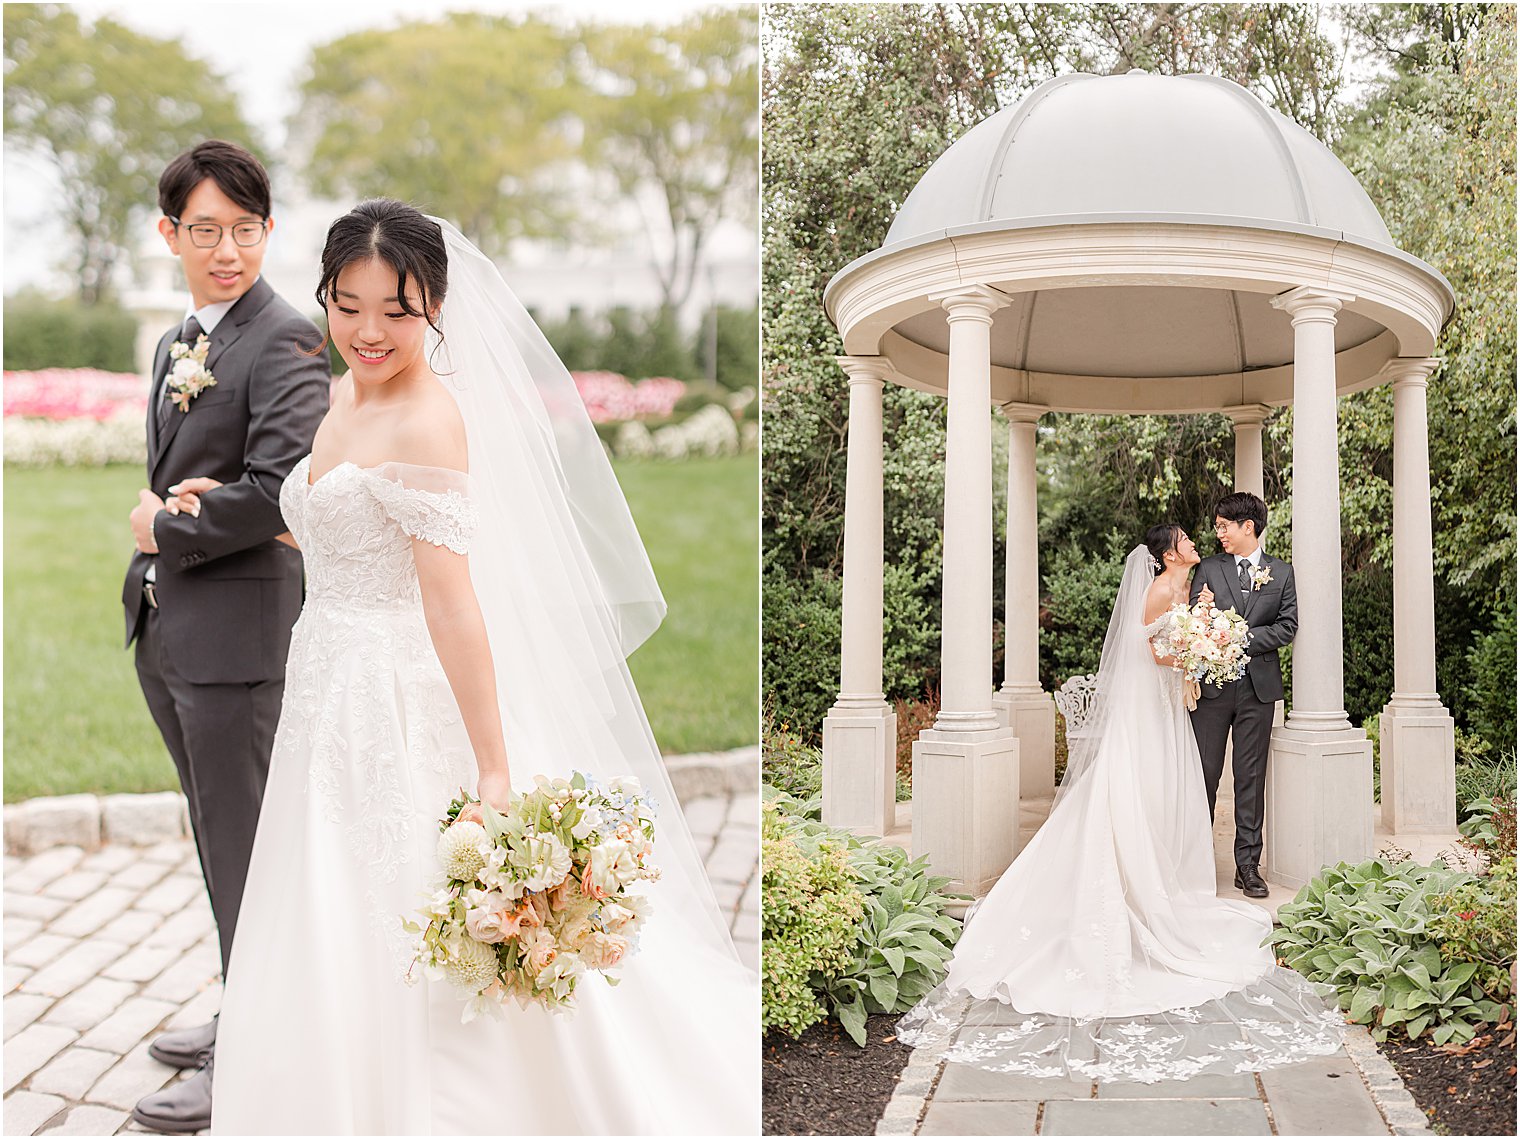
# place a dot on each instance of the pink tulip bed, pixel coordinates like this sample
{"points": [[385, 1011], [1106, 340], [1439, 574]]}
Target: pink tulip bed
{"points": [[611, 398]]}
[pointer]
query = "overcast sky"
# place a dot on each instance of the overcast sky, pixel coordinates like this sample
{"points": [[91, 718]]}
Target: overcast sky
{"points": [[261, 49]]}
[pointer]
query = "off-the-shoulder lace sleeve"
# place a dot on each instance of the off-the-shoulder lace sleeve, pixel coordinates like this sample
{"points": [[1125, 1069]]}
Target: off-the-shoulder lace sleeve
{"points": [[431, 503]]}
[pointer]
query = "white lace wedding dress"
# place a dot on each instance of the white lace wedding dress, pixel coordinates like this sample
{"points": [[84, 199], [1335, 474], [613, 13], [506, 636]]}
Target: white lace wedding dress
{"points": [[319, 1033], [1103, 952]]}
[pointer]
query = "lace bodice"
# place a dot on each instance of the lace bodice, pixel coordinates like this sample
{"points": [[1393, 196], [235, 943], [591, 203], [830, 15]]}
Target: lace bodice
{"points": [[356, 524]]}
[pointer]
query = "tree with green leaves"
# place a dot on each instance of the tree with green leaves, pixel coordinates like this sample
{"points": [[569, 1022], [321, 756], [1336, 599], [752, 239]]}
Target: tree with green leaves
{"points": [[107, 107], [857, 102], [676, 110], [470, 116]]}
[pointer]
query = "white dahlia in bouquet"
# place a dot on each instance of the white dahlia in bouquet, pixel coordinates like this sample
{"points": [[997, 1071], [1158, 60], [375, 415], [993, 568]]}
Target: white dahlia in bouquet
{"points": [[1207, 644], [534, 898]]}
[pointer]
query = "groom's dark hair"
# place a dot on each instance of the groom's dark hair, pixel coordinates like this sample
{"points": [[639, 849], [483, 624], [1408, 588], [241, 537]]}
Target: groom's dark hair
{"points": [[1240, 506], [237, 173]]}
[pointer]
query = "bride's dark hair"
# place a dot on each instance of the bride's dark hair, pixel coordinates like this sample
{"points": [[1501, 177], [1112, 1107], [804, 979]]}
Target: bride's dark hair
{"points": [[1161, 540], [402, 237]]}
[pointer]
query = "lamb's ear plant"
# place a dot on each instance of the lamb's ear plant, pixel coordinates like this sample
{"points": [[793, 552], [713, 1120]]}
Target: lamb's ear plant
{"points": [[1373, 931]]}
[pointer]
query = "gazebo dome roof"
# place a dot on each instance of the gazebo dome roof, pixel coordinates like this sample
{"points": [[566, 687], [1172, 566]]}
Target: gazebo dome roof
{"points": [[1196, 147], [1133, 234]]}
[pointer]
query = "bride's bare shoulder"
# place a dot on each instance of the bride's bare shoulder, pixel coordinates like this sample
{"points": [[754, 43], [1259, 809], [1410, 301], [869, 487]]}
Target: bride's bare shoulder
{"points": [[432, 434], [1157, 600]]}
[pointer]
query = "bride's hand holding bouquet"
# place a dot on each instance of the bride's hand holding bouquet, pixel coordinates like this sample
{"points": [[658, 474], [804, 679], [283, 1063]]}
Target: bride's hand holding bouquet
{"points": [[1204, 643]]}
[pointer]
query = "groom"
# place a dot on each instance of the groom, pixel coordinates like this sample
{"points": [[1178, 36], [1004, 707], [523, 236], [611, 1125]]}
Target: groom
{"points": [[1260, 588], [210, 598]]}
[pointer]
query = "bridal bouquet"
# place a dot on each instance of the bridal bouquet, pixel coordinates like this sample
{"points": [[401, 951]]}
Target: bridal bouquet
{"points": [[1208, 643], [534, 898]]}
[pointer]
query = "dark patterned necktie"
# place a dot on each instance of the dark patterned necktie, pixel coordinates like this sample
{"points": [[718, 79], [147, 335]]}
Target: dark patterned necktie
{"points": [[189, 334], [1245, 576]]}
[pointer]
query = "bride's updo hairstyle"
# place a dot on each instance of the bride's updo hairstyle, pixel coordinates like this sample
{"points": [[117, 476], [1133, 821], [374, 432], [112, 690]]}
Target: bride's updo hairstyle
{"points": [[402, 237], [1162, 540]]}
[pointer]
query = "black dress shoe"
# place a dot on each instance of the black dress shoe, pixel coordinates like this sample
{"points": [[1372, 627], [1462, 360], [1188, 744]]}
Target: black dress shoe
{"points": [[183, 1048], [180, 1109], [1249, 882]]}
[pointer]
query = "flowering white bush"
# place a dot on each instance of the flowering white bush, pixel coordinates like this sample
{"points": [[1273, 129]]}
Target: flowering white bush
{"points": [[711, 431], [633, 441], [76, 442]]}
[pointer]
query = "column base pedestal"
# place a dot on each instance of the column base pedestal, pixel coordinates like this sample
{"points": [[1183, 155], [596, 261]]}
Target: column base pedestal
{"points": [[1319, 802], [860, 767], [1031, 717], [966, 805], [1417, 759]]}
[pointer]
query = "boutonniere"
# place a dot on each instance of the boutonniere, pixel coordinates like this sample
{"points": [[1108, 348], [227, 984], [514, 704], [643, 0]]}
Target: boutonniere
{"points": [[1260, 577], [188, 375]]}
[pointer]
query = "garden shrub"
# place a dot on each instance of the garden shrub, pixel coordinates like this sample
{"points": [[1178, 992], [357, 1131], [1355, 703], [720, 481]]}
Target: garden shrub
{"points": [[1474, 923], [903, 938], [42, 333], [1369, 931], [1491, 709], [1489, 824], [800, 646], [809, 908], [787, 763], [1482, 772]]}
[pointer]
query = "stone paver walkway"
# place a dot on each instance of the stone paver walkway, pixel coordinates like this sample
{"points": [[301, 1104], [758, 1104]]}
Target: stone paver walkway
{"points": [[104, 950], [1353, 1092]]}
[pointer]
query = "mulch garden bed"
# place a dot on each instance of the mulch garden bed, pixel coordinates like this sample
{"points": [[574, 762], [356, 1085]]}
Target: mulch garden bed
{"points": [[822, 1084], [1464, 1091]]}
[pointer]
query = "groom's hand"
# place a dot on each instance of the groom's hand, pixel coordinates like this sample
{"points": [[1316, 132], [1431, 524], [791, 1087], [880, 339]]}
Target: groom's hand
{"points": [[147, 508]]}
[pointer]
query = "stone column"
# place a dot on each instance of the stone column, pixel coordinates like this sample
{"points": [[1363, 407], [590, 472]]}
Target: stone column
{"points": [[860, 730], [1416, 738], [1319, 779], [1022, 705], [966, 768], [1249, 473]]}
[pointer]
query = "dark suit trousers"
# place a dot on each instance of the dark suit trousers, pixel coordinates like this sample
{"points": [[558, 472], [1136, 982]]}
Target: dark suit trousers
{"points": [[1236, 709], [220, 736]]}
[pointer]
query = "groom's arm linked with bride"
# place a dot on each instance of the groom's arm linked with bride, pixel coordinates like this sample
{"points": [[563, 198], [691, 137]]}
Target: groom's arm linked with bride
{"points": [[1261, 589]]}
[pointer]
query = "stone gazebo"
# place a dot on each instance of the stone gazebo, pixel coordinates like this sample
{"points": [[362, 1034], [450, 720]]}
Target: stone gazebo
{"points": [[1135, 244]]}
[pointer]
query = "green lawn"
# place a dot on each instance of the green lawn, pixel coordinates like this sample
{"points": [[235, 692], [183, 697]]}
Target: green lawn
{"points": [[75, 719]]}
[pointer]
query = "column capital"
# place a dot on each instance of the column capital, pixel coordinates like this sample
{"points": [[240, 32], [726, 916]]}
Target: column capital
{"points": [[971, 302], [1311, 303], [1247, 414], [1016, 412], [865, 369], [1410, 371]]}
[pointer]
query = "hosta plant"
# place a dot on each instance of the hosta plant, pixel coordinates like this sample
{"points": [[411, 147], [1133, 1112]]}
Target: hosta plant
{"points": [[1367, 929]]}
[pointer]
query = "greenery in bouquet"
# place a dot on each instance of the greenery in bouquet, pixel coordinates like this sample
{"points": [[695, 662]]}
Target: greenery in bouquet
{"points": [[1393, 940], [535, 897]]}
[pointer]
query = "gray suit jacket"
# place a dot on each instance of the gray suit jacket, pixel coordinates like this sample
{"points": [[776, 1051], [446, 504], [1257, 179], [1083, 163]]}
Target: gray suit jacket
{"points": [[228, 592], [1271, 612]]}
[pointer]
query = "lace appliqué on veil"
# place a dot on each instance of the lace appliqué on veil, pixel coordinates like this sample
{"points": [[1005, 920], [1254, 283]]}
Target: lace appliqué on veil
{"points": [[1291, 1024]]}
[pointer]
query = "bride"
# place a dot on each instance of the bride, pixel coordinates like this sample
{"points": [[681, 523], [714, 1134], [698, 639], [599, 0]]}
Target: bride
{"points": [[474, 584], [1103, 953]]}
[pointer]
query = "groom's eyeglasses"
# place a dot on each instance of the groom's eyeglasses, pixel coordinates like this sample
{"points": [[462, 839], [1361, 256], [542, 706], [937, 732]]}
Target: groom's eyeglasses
{"points": [[208, 235]]}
